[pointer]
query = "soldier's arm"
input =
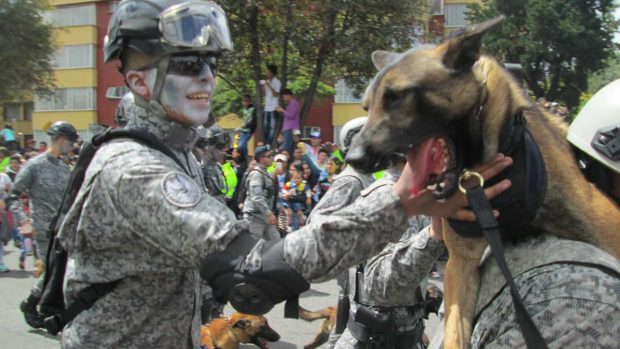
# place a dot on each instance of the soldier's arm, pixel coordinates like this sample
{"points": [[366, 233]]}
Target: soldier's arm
{"points": [[344, 191], [332, 242], [257, 193], [169, 210], [401, 266], [23, 183]]}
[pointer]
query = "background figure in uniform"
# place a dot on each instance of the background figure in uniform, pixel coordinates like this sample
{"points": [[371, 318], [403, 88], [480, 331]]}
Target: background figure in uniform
{"points": [[124, 109], [260, 197], [214, 141], [271, 90], [385, 293], [44, 179]]}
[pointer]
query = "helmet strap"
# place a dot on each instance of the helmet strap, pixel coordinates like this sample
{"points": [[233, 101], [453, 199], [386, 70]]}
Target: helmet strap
{"points": [[154, 106]]}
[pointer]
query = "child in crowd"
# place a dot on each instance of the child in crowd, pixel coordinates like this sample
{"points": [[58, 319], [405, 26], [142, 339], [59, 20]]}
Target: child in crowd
{"points": [[299, 197]]}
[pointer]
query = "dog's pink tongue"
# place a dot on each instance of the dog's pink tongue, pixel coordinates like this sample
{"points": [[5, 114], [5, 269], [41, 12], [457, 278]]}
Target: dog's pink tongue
{"points": [[425, 159]]}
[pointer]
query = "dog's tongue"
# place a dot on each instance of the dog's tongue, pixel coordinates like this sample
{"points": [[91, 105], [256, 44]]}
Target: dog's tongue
{"points": [[425, 159]]}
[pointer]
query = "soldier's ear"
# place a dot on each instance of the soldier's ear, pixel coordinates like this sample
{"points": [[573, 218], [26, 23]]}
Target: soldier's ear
{"points": [[463, 50], [139, 82]]}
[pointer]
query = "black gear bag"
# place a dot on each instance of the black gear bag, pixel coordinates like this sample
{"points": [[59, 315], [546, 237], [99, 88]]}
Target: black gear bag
{"points": [[52, 303]]}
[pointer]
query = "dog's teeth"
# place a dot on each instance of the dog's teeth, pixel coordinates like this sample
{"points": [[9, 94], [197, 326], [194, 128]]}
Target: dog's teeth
{"points": [[442, 185], [445, 167], [442, 142], [432, 187]]}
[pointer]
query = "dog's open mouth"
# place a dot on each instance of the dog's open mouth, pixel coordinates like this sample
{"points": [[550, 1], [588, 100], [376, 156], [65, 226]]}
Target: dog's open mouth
{"points": [[433, 163], [260, 342]]}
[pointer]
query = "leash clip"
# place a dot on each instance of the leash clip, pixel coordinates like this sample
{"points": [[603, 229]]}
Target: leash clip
{"points": [[466, 175]]}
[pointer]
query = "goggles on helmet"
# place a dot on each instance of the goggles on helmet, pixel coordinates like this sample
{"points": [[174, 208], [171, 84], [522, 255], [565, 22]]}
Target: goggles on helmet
{"points": [[195, 25]]}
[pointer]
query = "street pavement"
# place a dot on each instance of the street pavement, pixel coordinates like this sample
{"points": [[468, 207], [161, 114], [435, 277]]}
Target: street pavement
{"points": [[15, 333]]}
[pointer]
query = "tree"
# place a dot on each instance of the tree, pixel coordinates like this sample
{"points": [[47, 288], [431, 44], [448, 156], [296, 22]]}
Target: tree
{"points": [[559, 43], [26, 48], [315, 42]]}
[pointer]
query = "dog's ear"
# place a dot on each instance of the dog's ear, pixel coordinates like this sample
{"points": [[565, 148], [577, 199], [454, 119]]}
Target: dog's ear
{"points": [[242, 323], [463, 50], [382, 58]]}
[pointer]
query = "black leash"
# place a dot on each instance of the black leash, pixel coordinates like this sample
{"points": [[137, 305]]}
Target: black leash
{"points": [[490, 228]]}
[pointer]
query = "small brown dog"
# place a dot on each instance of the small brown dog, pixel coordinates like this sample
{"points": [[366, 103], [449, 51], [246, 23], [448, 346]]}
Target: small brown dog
{"points": [[327, 325], [228, 333]]}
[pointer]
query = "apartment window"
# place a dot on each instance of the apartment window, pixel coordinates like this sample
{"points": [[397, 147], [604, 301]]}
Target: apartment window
{"points": [[67, 99], [456, 15], [75, 56], [437, 7], [345, 94], [12, 111], [73, 15]]}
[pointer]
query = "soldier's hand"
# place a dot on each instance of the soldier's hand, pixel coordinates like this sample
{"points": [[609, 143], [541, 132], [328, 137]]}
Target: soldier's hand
{"points": [[453, 207]]}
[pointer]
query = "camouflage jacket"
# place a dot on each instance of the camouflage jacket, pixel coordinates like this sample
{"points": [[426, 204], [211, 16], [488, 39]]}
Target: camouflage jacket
{"points": [[261, 191], [214, 179], [338, 238], [44, 178], [141, 219], [570, 289]]}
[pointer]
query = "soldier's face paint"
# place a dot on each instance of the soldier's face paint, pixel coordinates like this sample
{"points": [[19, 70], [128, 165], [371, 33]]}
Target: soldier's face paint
{"points": [[187, 99]]}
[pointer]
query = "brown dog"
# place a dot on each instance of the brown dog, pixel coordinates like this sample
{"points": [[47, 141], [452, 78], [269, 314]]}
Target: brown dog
{"points": [[450, 105], [226, 333], [327, 325]]}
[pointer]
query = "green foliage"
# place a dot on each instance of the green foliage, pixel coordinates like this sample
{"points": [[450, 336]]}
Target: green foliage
{"points": [[558, 42], [325, 40], [603, 77], [26, 48]]}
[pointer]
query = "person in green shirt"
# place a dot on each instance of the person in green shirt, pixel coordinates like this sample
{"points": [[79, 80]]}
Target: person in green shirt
{"points": [[6, 159]]}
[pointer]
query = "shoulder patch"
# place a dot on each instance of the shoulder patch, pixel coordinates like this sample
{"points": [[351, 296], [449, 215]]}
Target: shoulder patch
{"points": [[180, 190]]}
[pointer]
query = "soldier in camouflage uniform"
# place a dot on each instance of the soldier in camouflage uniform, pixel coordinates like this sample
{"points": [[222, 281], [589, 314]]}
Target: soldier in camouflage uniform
{"points": [[261, 189], [44, 179], [386, 288], [213, 141]]}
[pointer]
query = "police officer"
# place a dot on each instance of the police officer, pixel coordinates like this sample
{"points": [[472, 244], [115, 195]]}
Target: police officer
{"points": [[258, 207], [44, 179]]}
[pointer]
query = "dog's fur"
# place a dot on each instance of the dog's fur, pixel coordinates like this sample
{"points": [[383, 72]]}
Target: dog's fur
{"points": [[449, 81], [327, 325], [226, 333]]}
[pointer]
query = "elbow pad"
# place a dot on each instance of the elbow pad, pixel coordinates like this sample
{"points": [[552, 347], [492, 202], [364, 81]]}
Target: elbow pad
{"points": [[254, 292]]}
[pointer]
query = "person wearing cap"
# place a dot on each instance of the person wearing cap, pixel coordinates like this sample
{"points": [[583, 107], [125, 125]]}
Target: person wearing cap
{"points": [[258, 207], [44, 179], [315, 145]]}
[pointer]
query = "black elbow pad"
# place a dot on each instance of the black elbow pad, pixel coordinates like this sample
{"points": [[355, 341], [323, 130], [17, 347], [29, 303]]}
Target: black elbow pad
{"points": [[258, 291]]}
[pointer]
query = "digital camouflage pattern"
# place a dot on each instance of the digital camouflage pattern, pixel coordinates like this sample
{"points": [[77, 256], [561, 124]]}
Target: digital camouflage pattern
{"points": [[258, 204], [44, 178], [140, 219], [570, 289], [214, 179]]}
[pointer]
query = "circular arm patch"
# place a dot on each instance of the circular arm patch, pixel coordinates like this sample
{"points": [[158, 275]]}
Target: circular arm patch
{"points": [[180, 190]]}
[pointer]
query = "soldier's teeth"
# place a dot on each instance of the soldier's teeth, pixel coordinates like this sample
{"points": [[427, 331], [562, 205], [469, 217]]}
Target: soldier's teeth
{"points": [[432, 187]]}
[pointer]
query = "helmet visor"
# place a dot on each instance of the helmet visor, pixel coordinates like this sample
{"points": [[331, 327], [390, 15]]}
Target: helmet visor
{"points": [[195, 25]]}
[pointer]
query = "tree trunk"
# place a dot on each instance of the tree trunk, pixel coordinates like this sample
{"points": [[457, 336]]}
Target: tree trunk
{"points": [[327, 47], [252, 11], [286, 37]]}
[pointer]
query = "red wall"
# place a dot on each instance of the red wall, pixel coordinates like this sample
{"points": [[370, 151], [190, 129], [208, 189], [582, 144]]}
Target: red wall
{"points": [[107, 74], [321, 115]]}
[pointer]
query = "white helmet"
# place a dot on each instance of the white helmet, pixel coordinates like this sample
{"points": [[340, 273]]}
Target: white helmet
{"points": [[596, 130], [350, 129]]}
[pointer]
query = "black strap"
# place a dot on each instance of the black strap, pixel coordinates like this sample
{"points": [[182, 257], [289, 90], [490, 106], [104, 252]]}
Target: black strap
{"points": [[484, 215]]}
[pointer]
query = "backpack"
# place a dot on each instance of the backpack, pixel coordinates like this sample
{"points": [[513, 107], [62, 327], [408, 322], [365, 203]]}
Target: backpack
{"points": [[52, 303]]}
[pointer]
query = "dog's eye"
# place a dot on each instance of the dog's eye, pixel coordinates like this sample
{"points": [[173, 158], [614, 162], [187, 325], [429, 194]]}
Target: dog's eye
{"points": [[392, 98], [365, 107]]}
